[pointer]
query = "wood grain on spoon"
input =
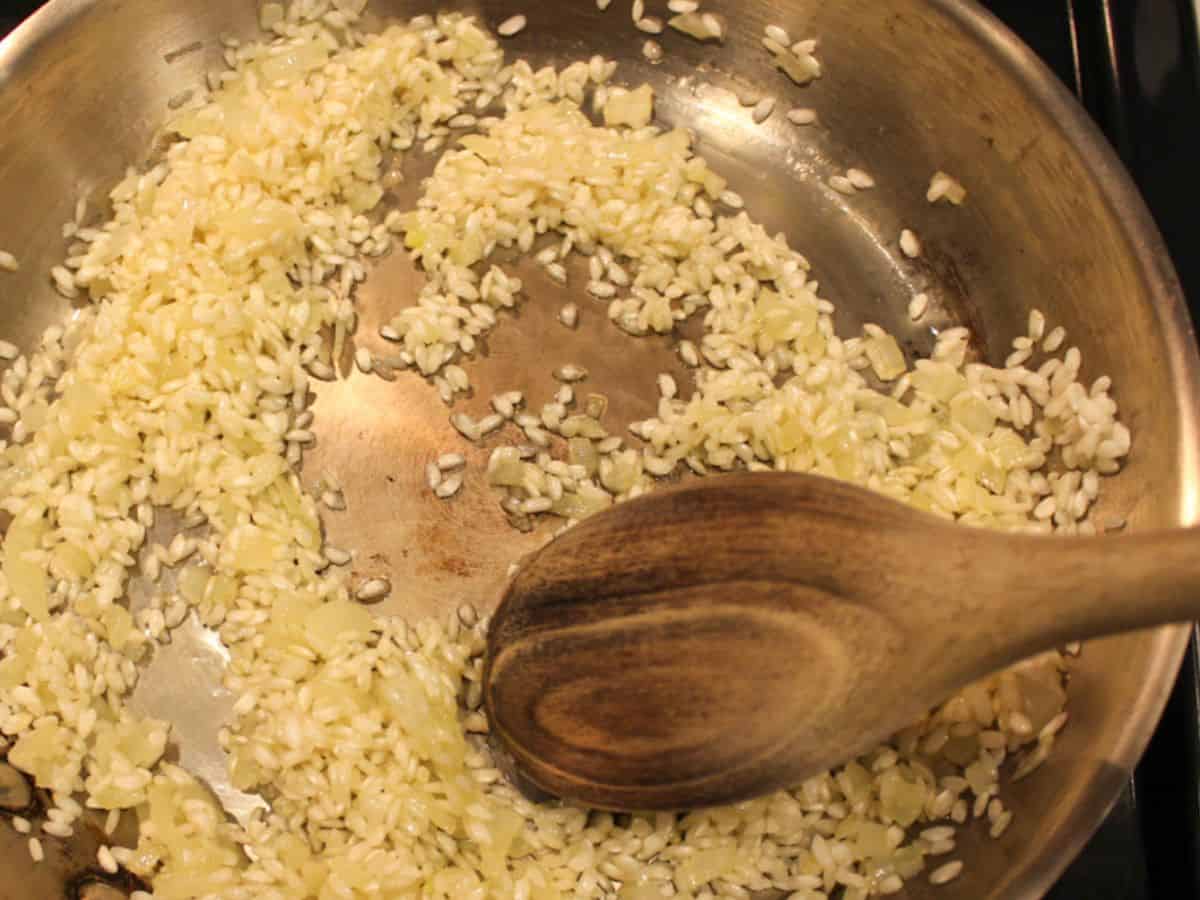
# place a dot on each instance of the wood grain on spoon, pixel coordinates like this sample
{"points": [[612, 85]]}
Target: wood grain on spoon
{"points": [[713, 642]]}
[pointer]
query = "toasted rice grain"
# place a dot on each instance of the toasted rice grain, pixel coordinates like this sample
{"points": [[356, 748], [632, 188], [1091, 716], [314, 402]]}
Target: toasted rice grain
{"points": [[918, 306], [763, 110], [106, 860], [802, 116], [511, 26], [842, 185], [860, 179], [373, 590], [945, 873], [777, 34]]}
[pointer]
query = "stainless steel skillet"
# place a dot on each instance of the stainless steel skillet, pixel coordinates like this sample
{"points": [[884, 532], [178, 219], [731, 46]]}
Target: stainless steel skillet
{"points": [[911, 86]]}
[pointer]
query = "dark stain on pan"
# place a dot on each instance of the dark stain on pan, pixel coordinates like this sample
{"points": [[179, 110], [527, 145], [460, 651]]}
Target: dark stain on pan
{"points": [[93, 886], [74, 859], [18, 797], [944, 269], [439, 550], [457, 565]]}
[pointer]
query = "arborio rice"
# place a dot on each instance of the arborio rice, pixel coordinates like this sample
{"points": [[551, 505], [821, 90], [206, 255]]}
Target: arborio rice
{"points": [[184, 386]]}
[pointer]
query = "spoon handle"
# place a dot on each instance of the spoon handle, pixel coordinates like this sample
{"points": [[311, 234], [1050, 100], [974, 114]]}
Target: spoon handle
{"points": [[1047, 591]]}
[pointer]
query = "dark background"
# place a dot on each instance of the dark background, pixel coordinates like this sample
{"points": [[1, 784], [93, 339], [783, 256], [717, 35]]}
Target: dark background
{"points": [[1135, 66]]}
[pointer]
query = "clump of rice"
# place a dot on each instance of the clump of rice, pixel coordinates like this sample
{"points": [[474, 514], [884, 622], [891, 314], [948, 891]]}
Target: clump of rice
{"points": [[184, 386], [796, 60]]}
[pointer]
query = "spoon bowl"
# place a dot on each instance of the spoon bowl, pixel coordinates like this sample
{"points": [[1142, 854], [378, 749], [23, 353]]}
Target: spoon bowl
{"points": [[713, 642]]}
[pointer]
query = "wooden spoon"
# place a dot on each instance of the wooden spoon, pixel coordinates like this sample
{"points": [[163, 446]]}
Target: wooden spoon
{"points": [[710, 643]]}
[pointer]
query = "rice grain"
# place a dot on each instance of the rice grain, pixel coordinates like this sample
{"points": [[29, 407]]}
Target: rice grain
{"points": [[945, 873], [449, 487], [373, 590], [918, 306], [763, 110], [511, 26]]}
